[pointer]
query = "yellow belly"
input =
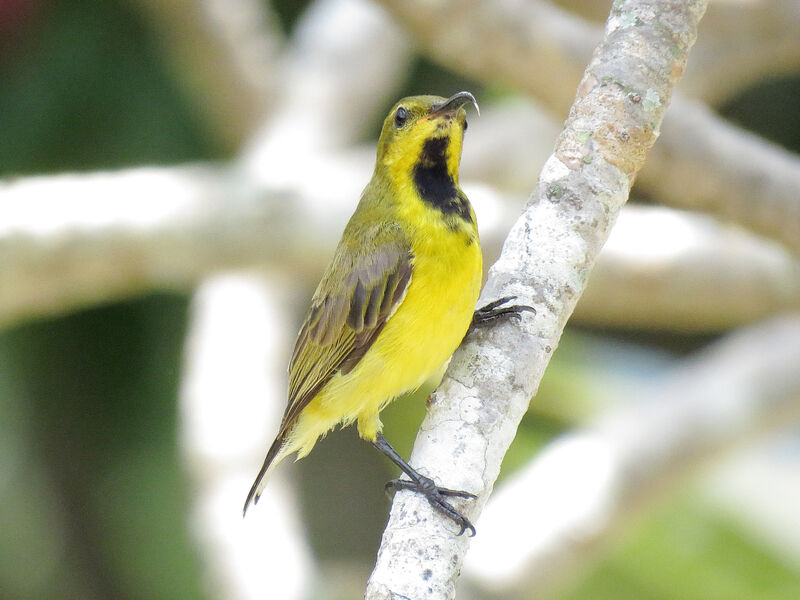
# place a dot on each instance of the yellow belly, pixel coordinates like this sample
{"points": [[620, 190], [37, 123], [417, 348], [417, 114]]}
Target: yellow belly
{"points": [[417, 339]]}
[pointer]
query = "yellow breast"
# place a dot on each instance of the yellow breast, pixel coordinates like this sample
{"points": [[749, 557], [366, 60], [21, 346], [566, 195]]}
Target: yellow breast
{"points": [[418, 338]]}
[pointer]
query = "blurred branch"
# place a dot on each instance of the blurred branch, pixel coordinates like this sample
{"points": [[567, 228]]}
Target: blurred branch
{"points": [[531, 44], [664, 269], [229, 54], [508, 145], [572, 500], [541, 46], [741, 42], [229, 403], [343, 61], [545, 262], [69, 241], [226, 52], [541, 50], [706, 164], [760, 489]]}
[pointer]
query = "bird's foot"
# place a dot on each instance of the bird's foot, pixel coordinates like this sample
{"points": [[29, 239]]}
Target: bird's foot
{"points": [[435, 496], [495, 310]]}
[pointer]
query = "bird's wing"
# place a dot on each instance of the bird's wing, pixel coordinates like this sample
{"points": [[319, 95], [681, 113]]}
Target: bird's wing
{"points": [[359, 292]]}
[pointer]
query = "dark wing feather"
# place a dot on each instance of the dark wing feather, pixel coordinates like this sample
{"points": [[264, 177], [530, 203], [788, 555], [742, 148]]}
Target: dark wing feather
{"points": [[362, 287]]}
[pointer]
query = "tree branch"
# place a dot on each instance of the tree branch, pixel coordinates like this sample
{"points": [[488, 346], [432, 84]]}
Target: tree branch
{"points": [[540, 49], [709, 165], [760, 489], [533, 45], [742, 42], [229, 404], [665, 269], [70, 240], [747, 383], [316, 111], [545, 262]]}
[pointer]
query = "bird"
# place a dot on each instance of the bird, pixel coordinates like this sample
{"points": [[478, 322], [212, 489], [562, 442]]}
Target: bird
{"points": [[396, 299]]}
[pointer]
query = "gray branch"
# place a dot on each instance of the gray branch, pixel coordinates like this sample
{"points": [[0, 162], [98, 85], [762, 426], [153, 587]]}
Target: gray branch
{"points": [[742, 42], [545, 263], [231, 398], [706, 164], [567, 504], [340, 50], [540, 49], [677, 271], [71, 240]]}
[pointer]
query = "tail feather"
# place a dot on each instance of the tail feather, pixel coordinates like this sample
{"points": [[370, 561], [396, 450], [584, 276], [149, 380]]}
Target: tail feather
{"points": [[274, 456]]}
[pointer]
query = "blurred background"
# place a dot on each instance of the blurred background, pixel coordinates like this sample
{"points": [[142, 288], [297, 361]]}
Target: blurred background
{"points": [[175, 174]]}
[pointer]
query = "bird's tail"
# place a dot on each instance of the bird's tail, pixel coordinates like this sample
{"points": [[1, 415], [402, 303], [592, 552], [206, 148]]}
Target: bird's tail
{"points": [[276, 453]]}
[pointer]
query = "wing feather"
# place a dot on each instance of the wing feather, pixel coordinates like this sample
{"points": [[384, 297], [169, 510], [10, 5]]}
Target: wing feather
{"points": [[357, 295]]}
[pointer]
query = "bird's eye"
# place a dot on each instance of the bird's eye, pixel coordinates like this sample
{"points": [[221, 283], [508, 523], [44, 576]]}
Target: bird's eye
{"points": [[466, 124], [400, 117]]}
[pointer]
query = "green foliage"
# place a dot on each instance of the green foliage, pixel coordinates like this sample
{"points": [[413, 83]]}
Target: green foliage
{"points": [[87, 88], [686, 551], [95, 395]]}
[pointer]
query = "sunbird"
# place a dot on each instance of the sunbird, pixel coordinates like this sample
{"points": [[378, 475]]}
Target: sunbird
{"points": [[396, 299]]}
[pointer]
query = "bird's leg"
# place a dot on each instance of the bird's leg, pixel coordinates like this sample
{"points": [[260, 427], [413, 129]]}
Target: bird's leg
{"points": [[425, 486], [495, 310]]}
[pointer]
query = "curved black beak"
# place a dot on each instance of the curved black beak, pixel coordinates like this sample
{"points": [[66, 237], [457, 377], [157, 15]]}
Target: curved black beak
{"points": [[455, 102]]}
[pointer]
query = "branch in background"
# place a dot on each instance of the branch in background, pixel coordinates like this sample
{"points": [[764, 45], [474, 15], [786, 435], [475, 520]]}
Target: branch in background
{"points": [[703, 164], [70, 241], [760, 489], [709, 165], [663, 269], [570, 502], [533, 45], [540, 49], [226, 52], [741, 43], [541, 46], [344, 60], [229, 403], [545, 262], [508, 145]]}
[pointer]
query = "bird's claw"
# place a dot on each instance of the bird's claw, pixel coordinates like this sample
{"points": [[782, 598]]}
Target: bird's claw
{"points": [[435, 496], [495, 310]]}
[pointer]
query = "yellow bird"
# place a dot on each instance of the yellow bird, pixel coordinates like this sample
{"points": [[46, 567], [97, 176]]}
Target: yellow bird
{"points": [[396, 299]]}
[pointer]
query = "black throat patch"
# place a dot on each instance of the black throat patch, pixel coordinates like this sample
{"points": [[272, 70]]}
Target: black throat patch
{"points": [[434, 185]]}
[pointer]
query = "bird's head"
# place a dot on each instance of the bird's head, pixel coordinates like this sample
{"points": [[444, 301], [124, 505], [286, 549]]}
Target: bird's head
{"points": [[417, 120]]}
